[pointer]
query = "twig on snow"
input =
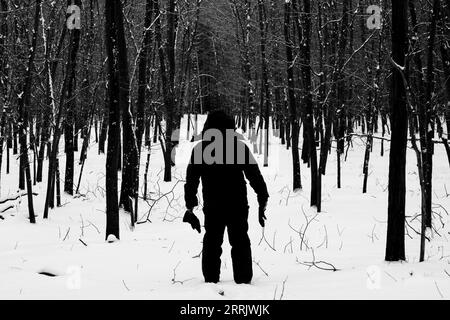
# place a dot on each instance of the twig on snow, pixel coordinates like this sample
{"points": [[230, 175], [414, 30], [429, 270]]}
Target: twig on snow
{"points": [[125, 285], [439, 290], [67, 233], [263, 238], [259, 266], [322, 265]]}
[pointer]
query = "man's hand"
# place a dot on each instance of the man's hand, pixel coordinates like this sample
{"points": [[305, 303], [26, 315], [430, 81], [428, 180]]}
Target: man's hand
{"points": [[262, 215], [191, 218]]}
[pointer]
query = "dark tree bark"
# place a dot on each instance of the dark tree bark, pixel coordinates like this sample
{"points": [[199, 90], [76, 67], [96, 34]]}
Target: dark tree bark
{"points": [[395, 245], [445, 54], [331, 40], [103, 130], [428, 151], [3, 78], [74, 44], [64, 102], [308, 103], [144, 53], [130, 151], [113, 13], [24, 106], [4, 30], [265, 78], [292, 99], [51, 69], [243, 14], [341, 90], [167, 73], [143, 72]]}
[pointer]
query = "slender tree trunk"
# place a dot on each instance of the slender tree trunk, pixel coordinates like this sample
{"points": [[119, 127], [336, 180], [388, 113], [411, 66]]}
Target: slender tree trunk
{"points": [[130, 150], [167, 79], [292, 100], [429, 118], [445, 54], [308, 102], [265, 77], [341, 91], [112, 14], [24, 105], [3, 78], [103, 130], [142, 76], [395, 245], [69, 123]]}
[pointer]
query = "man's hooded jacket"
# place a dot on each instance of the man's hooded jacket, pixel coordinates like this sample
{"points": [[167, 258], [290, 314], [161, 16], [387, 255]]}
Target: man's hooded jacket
{"points": [[221, 160]]}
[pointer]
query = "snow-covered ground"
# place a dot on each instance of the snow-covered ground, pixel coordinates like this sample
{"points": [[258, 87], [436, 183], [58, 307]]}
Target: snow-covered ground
{"points": [[160, 259]]}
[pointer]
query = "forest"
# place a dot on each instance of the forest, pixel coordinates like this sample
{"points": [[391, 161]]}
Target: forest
{"points": [[344, 103]]}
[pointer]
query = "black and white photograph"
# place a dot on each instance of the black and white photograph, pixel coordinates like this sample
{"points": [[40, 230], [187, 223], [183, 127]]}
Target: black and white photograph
{"points": [[245, 152]]}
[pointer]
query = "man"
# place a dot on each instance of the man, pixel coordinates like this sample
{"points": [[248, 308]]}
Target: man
{"points": [[221, 160]]}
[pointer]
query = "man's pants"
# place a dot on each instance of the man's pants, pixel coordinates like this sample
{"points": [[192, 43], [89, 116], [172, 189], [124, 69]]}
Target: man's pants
{"points": [[237, 226]]}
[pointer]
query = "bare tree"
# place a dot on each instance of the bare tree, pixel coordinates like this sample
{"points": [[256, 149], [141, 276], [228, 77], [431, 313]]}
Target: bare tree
{"points": [[395, 245], [24, 106], [292, 99]]}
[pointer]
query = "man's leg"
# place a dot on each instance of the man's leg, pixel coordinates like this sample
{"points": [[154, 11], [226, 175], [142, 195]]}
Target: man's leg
{"points": [[240, 247], [212, 246]]}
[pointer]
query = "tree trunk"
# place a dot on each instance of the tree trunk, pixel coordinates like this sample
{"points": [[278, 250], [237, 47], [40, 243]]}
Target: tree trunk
{"points": [[292, 100], [142, 76], [24, 106], [308, 102], [130, 164], [428, 151], [74, 44], [112, 15], [167, 79], [445, 54], [395, 244], [265, 78]]}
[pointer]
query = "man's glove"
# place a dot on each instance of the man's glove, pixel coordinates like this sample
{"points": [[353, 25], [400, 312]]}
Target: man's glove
{"points": [[262, 214], [191, 218]]}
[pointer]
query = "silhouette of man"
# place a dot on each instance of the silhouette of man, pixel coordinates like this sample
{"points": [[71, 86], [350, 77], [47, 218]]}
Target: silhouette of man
{"points": [[221, 160]]}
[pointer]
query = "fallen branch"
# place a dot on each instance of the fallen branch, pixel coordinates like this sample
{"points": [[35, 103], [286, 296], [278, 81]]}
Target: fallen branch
{"points": [[259, 266], [15, 197], [383, 138], [198, 255], [322, 265], [390, 276], [67, 234], [439, 290], [263, 238], [174, 281], [282, 289], [125, 285], [3, 210]]}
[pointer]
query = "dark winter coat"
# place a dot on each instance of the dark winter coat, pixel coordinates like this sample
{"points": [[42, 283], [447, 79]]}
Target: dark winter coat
{"points": [[224, 186]]}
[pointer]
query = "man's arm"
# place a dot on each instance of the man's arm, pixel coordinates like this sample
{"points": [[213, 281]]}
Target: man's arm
{"points": [[255, 178], [192, 183]]}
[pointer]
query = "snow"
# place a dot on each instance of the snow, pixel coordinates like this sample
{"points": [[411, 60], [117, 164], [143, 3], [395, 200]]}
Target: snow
{"points": [[161, 259], [111, 239]]}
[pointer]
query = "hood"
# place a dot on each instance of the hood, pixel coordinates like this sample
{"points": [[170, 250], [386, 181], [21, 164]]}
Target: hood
{"points": [[219, 120]]}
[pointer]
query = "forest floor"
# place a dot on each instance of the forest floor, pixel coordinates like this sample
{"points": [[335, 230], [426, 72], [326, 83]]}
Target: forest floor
{"points": [[160, 259]]}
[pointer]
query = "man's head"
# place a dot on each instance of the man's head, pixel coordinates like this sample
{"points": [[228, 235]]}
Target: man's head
{"points": [[219, 120]]}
